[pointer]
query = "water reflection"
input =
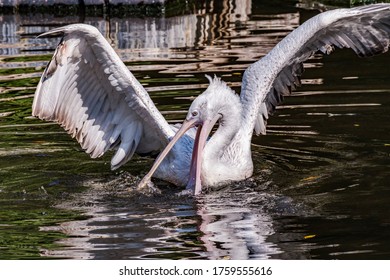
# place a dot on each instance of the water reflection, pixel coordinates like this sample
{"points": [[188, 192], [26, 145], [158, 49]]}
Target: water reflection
{"points": [[320, 188], [234, 227], [229, 224], [238, 222]]}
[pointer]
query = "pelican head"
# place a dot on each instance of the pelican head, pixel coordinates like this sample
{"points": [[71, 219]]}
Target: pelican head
{"points": [[217, 103], [213, 104]]}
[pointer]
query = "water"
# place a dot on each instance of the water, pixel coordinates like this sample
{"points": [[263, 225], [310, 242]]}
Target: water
{"points": [[320, 188]]}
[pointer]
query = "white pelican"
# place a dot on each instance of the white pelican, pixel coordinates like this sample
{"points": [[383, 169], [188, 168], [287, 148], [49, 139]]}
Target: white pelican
{"points": [[89, 91]]}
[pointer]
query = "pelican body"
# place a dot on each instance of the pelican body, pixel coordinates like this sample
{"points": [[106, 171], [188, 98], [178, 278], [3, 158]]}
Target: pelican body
{"points": [[89, 91]]}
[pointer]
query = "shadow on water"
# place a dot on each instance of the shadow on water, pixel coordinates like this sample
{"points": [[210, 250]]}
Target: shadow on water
{"points": [[320, 188]]}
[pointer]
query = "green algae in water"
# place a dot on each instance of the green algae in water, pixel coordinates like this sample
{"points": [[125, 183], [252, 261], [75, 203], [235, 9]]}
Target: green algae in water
{"points": [[21, 234], [28, 204], [30, 58], [14, 71], [24, 82]]}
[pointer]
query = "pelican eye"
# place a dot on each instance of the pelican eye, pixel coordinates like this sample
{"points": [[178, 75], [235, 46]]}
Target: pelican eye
{"points": [[194, 113]]}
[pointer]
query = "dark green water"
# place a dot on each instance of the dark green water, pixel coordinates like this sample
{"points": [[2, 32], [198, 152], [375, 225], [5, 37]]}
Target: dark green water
{"points": [[321, 183]]}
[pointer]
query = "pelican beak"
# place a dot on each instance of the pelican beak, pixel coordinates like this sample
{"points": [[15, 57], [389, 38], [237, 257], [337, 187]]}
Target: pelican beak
{"points": [[204, 129], [202, 134]]}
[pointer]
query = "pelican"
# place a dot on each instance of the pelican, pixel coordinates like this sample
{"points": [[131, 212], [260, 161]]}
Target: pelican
{"points": [[89, 91]]}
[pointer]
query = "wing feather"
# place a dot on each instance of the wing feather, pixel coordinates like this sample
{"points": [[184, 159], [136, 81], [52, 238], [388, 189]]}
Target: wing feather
{"points": [[365, 29], [88, 90]]}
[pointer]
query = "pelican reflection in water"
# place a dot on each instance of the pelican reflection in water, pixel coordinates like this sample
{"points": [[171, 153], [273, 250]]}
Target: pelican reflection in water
{"points": [[89, 91]]}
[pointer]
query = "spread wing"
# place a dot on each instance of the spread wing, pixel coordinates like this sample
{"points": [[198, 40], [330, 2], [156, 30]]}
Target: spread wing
{"points": [[89, 91], [365, 29]]}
